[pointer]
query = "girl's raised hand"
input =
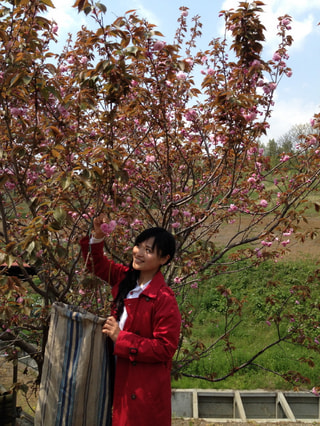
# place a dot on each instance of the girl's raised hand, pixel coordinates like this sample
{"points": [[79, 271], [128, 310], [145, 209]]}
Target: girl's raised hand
{"points": [[97, 222]]}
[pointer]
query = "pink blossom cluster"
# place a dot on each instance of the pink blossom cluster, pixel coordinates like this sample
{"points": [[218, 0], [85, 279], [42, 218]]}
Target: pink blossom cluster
{"points": [[108, 227]]}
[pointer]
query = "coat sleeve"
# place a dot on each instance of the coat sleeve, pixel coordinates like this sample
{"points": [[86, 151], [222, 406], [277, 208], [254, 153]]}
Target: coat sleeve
{"points": [[165, 336], [98, 264]]}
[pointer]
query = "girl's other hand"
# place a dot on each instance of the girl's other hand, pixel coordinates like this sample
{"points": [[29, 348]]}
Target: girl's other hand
{"points": [[111, 328]]}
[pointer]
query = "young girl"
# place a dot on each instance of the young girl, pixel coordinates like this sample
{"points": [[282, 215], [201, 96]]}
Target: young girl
{"points": [[144, 326]]}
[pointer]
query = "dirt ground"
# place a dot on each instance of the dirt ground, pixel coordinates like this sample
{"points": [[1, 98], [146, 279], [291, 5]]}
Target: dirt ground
{"points": [[28, 405], [201, 422], [25, 377], [310, 248]]}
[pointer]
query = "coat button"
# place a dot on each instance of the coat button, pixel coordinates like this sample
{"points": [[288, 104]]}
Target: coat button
{"points": [[134, 363], [133, 396]]}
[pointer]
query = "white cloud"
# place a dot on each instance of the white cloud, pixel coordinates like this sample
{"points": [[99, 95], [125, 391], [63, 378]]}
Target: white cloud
{"points": [[302, 13], [301, 29], [66, 16], [288, 114], [144, 12]]}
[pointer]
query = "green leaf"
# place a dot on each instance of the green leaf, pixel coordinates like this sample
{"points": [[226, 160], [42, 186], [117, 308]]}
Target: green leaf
{"points": [[132, 49], [101, 7], [31, 247], [66, 182], [48, 3], [60, 215], [26, 79]]}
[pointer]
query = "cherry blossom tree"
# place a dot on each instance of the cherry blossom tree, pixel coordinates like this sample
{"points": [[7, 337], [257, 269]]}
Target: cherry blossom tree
{"points": [[115, 123]]}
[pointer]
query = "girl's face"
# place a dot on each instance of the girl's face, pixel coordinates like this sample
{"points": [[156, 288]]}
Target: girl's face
{"points": [[146, 260]]}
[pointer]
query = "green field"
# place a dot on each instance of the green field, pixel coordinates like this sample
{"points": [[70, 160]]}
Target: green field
{"points": [[254, 332]]}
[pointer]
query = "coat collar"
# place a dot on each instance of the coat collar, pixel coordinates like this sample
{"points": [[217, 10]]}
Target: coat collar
{"points": [[156, 283]]}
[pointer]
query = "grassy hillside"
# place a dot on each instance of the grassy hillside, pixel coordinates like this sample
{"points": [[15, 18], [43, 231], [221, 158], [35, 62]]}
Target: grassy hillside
{"points": [[254, 285]]}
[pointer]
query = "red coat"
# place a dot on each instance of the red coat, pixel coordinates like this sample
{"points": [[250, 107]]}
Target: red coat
{"points": [[144, 349]]}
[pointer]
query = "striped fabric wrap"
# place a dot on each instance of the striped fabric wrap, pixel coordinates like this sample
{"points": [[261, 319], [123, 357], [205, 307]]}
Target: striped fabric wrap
{"points": [[75, 387]]}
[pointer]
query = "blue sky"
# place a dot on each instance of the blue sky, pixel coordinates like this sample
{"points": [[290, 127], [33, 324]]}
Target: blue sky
{"points": [[297, 98]]}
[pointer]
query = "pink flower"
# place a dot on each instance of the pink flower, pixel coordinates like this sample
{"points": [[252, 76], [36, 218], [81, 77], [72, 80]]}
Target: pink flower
{"points": [[284, 158], [83, 60], [184, 13], [268, 323], [189, 61], [181, 75], [176, 225], [49, 170], [15, 111], [177, 280], [150, 159], [158, 45], [191, 115], [194, 285], [250, 116], [269, 87], [232, 208], [256, 63], [266, 243], [10, 185], [258, 253], [63, 68], [136, 223], [108, 228], [312, 141], [263, 203], [266, 89], [285, 22], [276, 56]]}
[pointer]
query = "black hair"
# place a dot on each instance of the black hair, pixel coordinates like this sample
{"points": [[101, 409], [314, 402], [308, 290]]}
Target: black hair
{"points": [[164, 243]]}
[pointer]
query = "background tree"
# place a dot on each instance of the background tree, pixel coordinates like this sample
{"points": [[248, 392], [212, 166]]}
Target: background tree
{"points": [[288, 142], [291, 139], [115, 123], [272, 150]]}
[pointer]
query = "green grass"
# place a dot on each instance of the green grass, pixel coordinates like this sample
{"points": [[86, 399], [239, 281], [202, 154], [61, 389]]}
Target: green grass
{"points": [[255, 285]]}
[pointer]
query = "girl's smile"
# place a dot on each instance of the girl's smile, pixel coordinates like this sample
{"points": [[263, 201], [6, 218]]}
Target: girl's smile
{"points": [[147, 260]]}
